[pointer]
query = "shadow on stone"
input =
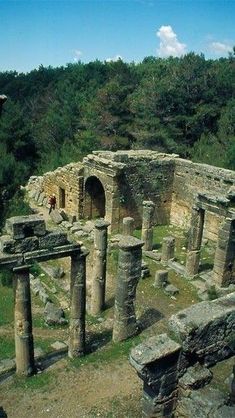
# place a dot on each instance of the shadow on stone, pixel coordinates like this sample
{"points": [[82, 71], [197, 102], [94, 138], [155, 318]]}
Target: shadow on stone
{"points": [[109, 303], [156, 246], [148, 318], [3, 414], [205, 266], [97, 340]]}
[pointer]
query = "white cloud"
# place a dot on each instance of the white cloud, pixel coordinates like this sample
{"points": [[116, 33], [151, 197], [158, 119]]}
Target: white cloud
{"points": [[220, 48], [169, 44], [77, 55], [116, 58]]}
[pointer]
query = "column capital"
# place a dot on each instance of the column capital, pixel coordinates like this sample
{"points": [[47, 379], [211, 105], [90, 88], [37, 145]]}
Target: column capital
{"points": [[101, 224], [19, 269], [127, 243]]}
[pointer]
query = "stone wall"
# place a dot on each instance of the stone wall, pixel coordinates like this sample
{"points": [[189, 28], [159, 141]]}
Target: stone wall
{"points": [[206, 331], [205, 335], [67, 180], [191, 178], [127, 178], [147, 176]]}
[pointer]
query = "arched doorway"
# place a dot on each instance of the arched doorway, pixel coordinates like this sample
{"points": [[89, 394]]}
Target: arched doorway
{"points": [[94, 205]]}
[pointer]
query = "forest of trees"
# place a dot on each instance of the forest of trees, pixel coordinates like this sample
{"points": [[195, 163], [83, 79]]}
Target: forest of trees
{"points": [[54, 116]]}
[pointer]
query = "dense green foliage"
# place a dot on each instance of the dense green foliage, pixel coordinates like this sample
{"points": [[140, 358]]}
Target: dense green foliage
{"points": [[57, 115]]}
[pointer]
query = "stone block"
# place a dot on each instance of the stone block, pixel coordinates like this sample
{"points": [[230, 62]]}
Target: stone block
{"points": [[56, 216], [27, 244], [20, 227], [161, 278], [67, 225], [171, 290], [195, 377], [53, 239], [7, 244], [206, 329]]}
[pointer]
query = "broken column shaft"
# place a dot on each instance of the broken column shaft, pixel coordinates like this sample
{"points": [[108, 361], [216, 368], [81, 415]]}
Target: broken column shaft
{"points": [[129, 273], [128, 226], [195, 239], [99, 269], [147, 225], [168, 249], [24, 348], [78, 304], [224, 262]]}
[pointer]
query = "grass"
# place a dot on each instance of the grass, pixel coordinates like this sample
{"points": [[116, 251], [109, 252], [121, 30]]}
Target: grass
{"points": [[36, 382], [111, 352], [6, 304], [7, 347], [44, 344]]}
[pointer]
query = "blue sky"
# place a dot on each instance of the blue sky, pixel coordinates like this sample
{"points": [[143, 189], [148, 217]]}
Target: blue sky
{"points": [[56, 32]]}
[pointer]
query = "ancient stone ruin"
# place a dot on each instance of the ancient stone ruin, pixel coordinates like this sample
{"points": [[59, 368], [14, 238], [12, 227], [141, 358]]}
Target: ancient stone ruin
{"points": [[201, 336], [25, 242], [123, 191], [153, 189]]}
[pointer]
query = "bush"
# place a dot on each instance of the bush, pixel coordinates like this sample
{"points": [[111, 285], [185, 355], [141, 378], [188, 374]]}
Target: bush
{"points": [[6, 277]]}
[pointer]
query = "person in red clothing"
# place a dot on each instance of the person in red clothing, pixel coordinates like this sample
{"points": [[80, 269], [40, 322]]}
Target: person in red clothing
{"points": [[52, 202]]}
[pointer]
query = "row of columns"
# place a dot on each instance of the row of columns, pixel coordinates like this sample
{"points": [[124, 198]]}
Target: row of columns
{"points": [[129, 273], [24, 346]]}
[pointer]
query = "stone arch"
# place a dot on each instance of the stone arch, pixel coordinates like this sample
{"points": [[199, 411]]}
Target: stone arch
{"points": [[94, 204]]}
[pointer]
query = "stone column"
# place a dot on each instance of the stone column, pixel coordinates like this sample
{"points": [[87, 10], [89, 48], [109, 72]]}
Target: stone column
{"points": [[147, 225], [128, 226], [99, 269], [78, 304], [129, 273], [224, 262], [168, 249], [156, 362], [24, 348], [195, 240], [161, 278]]}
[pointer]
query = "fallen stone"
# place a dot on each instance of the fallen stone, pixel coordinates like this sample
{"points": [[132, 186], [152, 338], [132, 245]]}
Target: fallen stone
{"points": [[202, 403], [161, 278], [44, 297], [58, 345], [195, 377], [172, 290], [6, 364], [89, 226], [75, 229], [78, 224], [57, 272], [81, 234], [67, 225], [225, 412], [153, 255], [38, 352], [72, 218], [54, 315], [56, 216]]}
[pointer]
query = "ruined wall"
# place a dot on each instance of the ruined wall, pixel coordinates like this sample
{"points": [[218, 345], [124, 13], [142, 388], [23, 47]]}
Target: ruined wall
{"points": [[147, 175], [99, 165], [191, 178], [67, 180], [204, 334]]}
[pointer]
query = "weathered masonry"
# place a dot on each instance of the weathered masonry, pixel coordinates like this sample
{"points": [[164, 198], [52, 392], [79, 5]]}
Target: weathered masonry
{"points": [[114, 185], [201, 336], [26, 241]]}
